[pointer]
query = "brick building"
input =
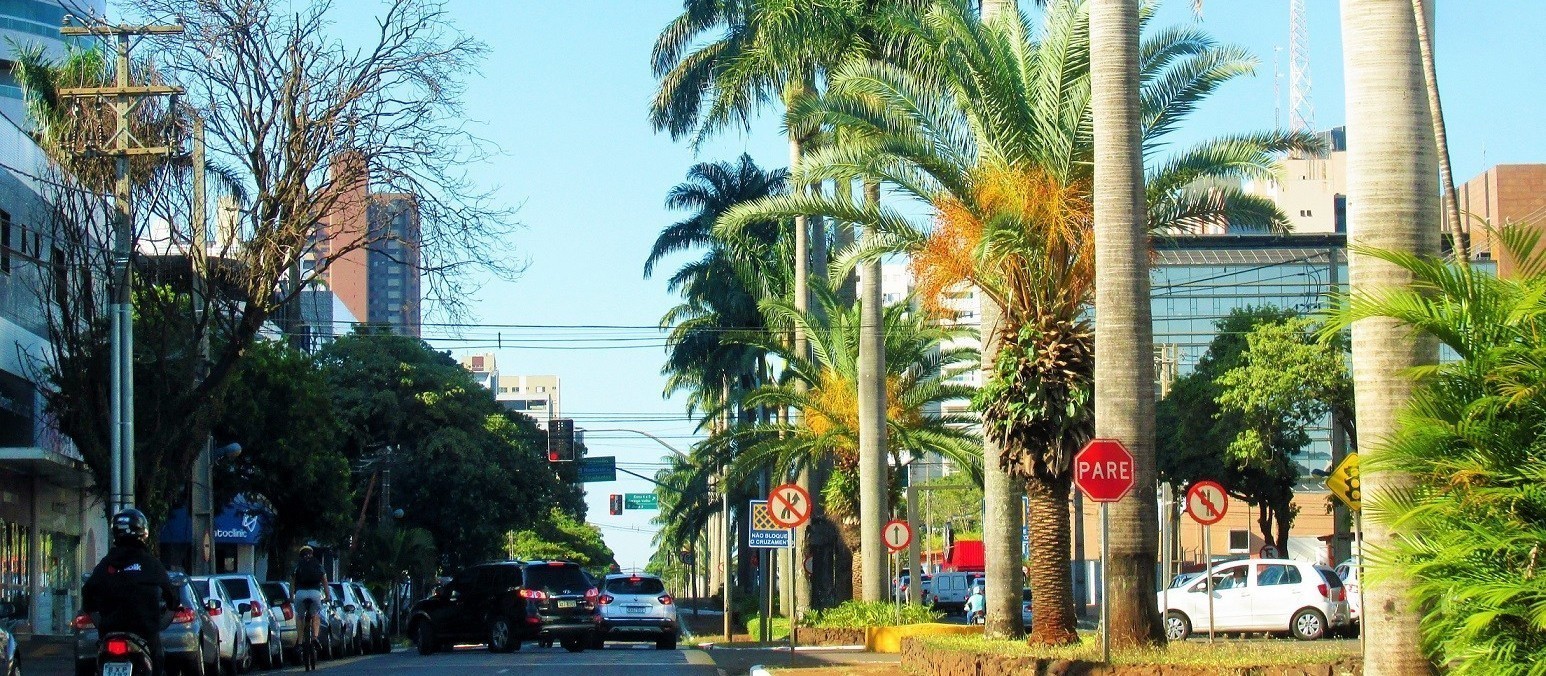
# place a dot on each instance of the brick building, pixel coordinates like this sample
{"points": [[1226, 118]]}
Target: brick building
{"points": [[1506, 194]]}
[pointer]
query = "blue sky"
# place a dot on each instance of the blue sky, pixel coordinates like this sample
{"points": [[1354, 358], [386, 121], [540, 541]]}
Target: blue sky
{"points": [[564, 93]]}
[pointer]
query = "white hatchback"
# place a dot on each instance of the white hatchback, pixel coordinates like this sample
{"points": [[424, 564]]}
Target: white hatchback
{"points": [[1270, 595], [1348, 571]]}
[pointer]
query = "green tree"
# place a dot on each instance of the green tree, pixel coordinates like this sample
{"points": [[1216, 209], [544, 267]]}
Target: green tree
{"points": [[989, 126], [1471, 515], [561, 536], [279, 407]]}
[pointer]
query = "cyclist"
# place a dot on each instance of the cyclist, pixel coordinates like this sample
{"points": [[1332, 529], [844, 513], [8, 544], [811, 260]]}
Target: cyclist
{"points": [[129, 590], [310, 587]]}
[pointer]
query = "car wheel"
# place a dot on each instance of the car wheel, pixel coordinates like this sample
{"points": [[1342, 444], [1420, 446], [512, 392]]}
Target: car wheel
{"points": [[425, 637], [192, 666], [265, 656], [573, 644], [666, 643], [597, 641], [1177, 626], [1308, 625], [500, 634]]}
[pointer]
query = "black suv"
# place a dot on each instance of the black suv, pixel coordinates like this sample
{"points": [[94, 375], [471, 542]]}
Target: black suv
{"points": [[502, 604]]}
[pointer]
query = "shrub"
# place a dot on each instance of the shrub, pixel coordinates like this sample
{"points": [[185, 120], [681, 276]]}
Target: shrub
{"points": [[859, 614]]}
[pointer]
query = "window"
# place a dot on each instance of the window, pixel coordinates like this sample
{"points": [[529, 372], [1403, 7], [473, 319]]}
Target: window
{"points": [[635, 586], [1277, 574], [5, 242], [1239, 540]]}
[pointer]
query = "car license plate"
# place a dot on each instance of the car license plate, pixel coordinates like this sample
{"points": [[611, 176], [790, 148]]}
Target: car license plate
{"points": [[635, 610], [118, 669], [567, 604]]}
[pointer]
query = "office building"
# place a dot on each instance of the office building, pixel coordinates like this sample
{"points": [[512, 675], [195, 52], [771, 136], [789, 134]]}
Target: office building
{"points": [[537, 396], [1312, 192], [372, 240], [1506, 194], [25, 23]]}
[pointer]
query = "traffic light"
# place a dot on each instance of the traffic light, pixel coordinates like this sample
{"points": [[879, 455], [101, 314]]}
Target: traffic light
{"points": [[615, 504], [561, 440]]}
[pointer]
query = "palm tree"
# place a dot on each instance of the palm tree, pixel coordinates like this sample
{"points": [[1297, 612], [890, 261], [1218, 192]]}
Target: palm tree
{"points": [[1392, 206], [830, 424], [990, 128], [1124, 330]]}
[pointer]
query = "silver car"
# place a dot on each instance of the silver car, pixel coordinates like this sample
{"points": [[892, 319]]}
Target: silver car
{"points": [[258, 619], [635, 607], [353, 616], [378, 639], [235, 651]]}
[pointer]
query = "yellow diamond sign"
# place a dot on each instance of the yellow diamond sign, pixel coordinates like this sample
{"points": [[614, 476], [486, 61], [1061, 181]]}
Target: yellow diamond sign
{"points": [[1345, 483]]}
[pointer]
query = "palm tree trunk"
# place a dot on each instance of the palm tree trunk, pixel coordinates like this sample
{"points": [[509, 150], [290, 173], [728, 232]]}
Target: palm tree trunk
{"points": [[844, 238], [1124, 333], [1052, 587], [1393, 205], [1001, 514], [1421, 12], [802, 302], [873, 496]]}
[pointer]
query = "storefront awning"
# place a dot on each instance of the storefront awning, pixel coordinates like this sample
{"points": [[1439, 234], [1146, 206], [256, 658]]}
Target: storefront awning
{"points": [[241, 523]]}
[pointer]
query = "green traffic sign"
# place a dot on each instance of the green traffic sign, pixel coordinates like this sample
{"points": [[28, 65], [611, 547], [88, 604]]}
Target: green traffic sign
{"points": [[640, 501], [600, 468]]}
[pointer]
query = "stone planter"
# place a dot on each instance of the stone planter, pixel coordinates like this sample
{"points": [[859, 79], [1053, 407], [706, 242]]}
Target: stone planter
{"points": [[829, 637], [920, 659]]}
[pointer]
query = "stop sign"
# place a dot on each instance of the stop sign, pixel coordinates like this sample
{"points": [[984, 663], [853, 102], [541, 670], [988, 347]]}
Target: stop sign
{"points": [[1104, 471]]}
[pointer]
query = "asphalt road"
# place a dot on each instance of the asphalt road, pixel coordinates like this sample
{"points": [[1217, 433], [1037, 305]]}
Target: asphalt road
{"points": [[618, 659]]}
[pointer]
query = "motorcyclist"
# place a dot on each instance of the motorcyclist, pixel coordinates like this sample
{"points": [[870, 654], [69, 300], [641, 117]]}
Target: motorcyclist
{"points": [[976, 604], [129, 591]]}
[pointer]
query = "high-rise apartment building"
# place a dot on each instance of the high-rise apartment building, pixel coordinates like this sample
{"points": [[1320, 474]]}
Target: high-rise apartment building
{"points": [[539, 397], [377, 235], [1507, 194]]}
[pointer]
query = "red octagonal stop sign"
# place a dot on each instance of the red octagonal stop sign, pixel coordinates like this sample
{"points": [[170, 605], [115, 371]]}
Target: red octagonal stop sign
{"points": [[1104, 471]]}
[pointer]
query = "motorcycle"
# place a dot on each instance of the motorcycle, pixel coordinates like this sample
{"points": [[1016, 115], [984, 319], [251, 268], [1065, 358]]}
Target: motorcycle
{"points": [[978, 617], [121, 653]]}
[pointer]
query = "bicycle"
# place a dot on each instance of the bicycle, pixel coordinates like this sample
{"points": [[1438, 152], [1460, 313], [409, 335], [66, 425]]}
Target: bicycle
{"points": [[308, 643]]}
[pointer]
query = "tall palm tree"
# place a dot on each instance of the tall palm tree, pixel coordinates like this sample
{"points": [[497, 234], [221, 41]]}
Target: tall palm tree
{"points": [[830, 424], [990, 127], [1124, 330], [1392, 206]]}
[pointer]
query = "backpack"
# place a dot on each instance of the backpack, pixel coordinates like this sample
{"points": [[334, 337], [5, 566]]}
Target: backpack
{"points": [[309, 575]]}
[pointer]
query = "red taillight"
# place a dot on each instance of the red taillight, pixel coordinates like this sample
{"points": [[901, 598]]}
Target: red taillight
{"points": [[592, 593], [533, 594], [1324, 590], [257, 608], [664, 599], [117, 647], [215, 611], [183, 616], [289, 611], [82, 621], [605, 599]]}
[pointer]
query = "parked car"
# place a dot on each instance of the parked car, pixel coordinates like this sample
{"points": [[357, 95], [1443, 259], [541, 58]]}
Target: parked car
{"points": [[952, 588], [377, 640], [191, 643], [352, 615], [11, 614], [278, 596], [635, 607], [1025, 607], [902, 584], [235, 651], [260, 620], [1348, 571], [1271, 595], [1181, 579], [502, 604]]}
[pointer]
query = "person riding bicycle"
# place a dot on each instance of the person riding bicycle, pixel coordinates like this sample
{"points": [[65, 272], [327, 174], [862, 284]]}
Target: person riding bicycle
{"points": [[310, 587], [129, 590]]}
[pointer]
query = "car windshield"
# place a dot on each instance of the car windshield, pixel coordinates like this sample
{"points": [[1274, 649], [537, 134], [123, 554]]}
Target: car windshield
{"points": [[185, 596], [342, 593], [1331, 578], [274, 590], [237, 587], [200, 587], [563, 578], [635, 585]]}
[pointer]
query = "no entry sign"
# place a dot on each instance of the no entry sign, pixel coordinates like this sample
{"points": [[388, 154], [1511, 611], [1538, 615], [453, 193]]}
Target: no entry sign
{"points": [[789, 506], [897, 535], [1104, 471], [1207, 502]]}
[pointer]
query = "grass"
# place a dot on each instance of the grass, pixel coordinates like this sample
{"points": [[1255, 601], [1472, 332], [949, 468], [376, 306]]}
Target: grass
{"points": [[860, 614], [1190, 653], [780, 627]]}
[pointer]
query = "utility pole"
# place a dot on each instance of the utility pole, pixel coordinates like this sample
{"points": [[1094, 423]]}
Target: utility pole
{"points": [[123, 145], [201, 499]]}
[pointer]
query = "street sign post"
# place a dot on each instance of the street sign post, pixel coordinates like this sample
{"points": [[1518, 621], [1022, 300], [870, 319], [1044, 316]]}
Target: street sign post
{"points": [[641, 501], [595, 469], [897, 535], [764, 532], [1104, 472], [789, 506], [1207, 503]]}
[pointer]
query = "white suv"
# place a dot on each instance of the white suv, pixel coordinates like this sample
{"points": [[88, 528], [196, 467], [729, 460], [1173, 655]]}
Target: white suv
{"points": [[635, 607], [1271, 595]]}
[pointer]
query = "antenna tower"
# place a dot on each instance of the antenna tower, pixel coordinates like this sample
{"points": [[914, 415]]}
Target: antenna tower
{"points": [[1301, 113]]}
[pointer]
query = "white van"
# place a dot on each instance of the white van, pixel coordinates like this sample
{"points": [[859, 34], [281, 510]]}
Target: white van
{"points": [[951, 589]]}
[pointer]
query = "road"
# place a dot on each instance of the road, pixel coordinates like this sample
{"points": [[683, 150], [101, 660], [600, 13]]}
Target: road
{"points": [[620, 660]]}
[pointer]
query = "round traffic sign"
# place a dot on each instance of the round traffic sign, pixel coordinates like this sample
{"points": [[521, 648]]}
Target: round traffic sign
{"points": [[1268, 552], [1207, 502], [897, 535], [789, 506], [1104, 470]]}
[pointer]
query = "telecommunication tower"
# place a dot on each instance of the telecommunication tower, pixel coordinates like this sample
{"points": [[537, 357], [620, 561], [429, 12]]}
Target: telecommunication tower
{"points": [[1301, 113]]}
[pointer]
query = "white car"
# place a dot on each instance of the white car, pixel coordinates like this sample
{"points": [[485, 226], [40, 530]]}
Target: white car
{"points": [[1348, 571], [1269, 595], [635, 607], [235, 651], [261, 621]]}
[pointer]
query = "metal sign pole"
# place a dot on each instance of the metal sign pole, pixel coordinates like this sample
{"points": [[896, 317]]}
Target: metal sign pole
{"points": [[1207, 566], [1167, 531], [1105, 582], [1363, 645], [793, 601], [896, 599]]}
